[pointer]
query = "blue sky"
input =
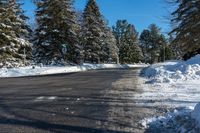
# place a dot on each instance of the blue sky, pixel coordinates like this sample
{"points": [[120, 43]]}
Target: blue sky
{"points": [[141, 13]]}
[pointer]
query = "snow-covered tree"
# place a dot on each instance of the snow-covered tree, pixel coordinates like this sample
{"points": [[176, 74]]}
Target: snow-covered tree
{"points": [[186, 30], [25, 28], [109, 47], [93, 32], [56, 39], [14, 47]]}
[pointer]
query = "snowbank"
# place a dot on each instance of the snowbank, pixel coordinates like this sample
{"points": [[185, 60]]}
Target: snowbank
{"points": [[196, 115], [36, 70], [174, 71], [173, 84], [182, 120]]}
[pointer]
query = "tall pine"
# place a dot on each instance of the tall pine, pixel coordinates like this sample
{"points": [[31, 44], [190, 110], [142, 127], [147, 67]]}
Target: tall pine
{"points": [[127, 42], [56, 40], [186, 21], [153, 43], [94, 34], [13, 44], [112, 51]]}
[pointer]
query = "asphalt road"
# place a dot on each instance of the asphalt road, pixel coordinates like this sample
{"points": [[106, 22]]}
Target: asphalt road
{"points": [[87, 102]]}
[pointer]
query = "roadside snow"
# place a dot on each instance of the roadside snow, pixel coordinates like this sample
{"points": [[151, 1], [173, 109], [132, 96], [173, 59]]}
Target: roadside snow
{"points": [[177, 121], [33, 71], [183, 97], [196, 114], [174, 71], [172, 85], [172, 95]]}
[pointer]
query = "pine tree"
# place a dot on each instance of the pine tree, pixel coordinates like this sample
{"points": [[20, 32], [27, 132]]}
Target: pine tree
{"points": [[145, 45], [12, 46], [152, 41], [186, 21], [56, 40], [127, 42], [166, 53], [93, 32], [110, 47], [25, 30]]}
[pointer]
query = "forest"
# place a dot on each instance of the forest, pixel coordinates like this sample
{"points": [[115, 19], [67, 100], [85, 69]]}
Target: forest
{"points": [[64, 36]]}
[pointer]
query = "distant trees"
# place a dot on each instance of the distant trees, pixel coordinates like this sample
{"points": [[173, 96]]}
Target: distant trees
{"points": [[14, 46], [154, 45], [127, 42], [64, 36], [186, 27]]}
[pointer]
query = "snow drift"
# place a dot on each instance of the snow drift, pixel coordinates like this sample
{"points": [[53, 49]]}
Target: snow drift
{"points": [[174, 71], [37, 70]]}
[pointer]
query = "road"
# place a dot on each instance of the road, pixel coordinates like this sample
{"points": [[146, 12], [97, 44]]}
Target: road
{"points": [[86, 102]]}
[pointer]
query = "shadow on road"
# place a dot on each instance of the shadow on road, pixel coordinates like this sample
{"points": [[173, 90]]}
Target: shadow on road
{"points": [[10, 117], [56, 128], [83, 94]]}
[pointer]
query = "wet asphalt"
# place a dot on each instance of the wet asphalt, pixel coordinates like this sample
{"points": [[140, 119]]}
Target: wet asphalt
{"points": [[85, 102]]}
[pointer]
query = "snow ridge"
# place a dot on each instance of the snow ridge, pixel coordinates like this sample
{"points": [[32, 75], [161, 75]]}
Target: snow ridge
{"points": [[174, 71], [46, 70]]}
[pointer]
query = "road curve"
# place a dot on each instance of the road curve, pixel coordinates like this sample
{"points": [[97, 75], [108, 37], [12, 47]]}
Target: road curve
{"points": [[86, 102]]}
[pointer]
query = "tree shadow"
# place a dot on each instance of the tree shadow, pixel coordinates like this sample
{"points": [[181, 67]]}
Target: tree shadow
{"points": [[20, 119], [56, 128]]}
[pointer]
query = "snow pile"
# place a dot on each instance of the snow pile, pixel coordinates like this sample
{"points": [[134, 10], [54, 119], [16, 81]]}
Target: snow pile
{"points": [[173, 84], [174, 71], [178, 121], [182, 120], [196, 115], [40, 70]]}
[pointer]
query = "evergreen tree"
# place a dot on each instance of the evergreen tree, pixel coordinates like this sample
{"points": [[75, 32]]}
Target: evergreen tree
{"points": [[186, 21], [127, 42], [166, 53], [12, 45], [110, 47], [152, 41], [145, 45], [56, 40], [93, 33], [25, 31]]}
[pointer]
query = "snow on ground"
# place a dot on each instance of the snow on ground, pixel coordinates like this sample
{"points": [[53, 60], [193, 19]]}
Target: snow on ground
{"points": [[177, 121], [174, 85], [43, 98], [174, 71], [180, 98], [196, 114], [36, 70]]}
